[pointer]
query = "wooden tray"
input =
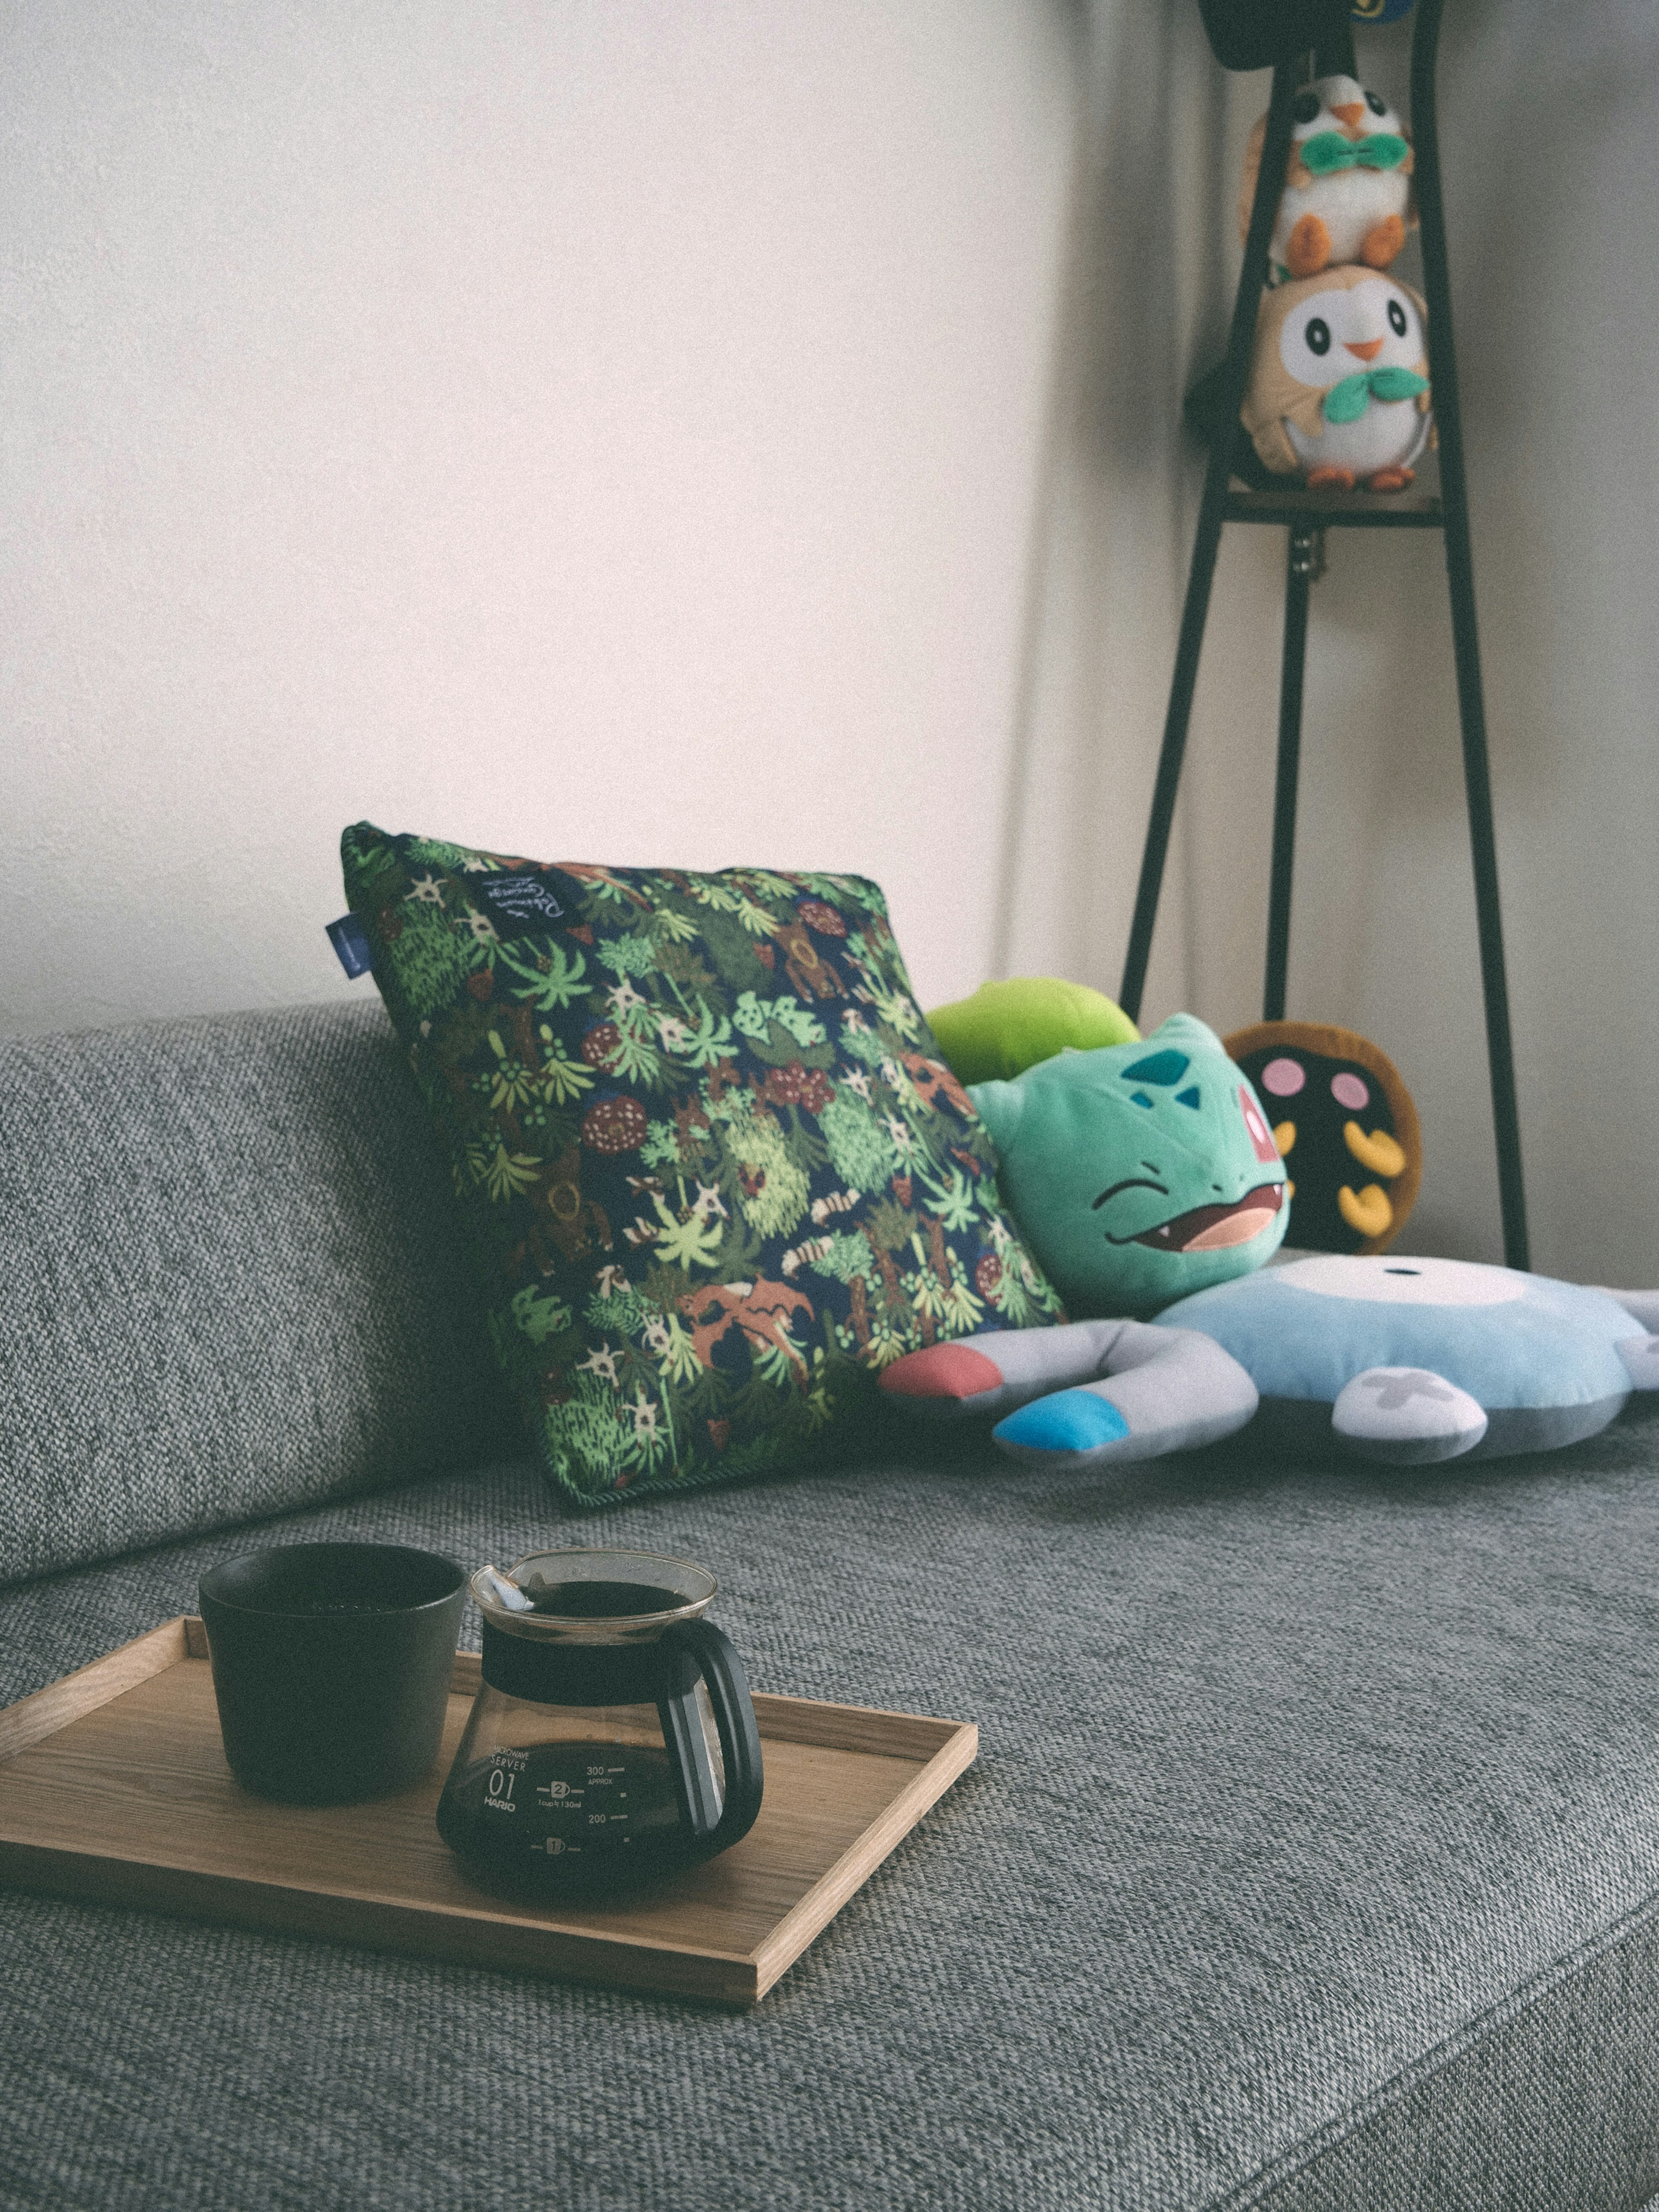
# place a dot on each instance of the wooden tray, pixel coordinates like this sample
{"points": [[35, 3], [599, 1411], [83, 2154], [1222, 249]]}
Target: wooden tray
{"points": [[113, 1785]]}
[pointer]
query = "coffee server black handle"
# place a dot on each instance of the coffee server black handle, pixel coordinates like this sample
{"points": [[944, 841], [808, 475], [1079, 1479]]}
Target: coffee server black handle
{"points": [[734, 1716]]}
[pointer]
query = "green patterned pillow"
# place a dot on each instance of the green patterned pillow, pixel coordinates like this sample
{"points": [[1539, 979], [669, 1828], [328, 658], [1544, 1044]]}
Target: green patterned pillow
{"points": [[714, 1169]]}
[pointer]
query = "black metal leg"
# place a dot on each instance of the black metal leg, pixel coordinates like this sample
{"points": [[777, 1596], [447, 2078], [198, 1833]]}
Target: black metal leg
{"points": [[1334, 55], [1161, 821], [1304, 561], [1269, 185], [1466, 646]]}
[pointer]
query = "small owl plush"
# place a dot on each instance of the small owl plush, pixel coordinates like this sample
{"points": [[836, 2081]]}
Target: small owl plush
{"points": [[1339, 390], [1347, 187]]}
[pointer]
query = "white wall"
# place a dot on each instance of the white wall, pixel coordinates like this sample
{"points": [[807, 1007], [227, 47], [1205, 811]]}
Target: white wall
{"points": [[1146, 296], [600, 432], [696, 432]]}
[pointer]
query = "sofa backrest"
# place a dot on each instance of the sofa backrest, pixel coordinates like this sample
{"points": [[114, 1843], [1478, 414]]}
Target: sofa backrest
{"points": [[230, 1282]]}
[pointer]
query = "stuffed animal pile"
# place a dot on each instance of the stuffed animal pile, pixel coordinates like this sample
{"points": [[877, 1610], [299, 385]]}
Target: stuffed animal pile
{"points": [[1148, 1179], [1338, 389]]}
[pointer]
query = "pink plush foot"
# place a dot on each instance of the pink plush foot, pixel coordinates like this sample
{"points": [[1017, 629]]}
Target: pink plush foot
{"points": [[942, 1370]]}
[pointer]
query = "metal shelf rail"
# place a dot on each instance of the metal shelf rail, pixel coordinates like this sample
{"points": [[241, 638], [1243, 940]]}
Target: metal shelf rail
{"points": [[1305, 515]]}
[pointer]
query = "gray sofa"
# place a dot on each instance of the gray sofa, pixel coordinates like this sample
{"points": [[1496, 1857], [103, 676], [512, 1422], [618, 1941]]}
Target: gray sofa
{"points": [[1311, 1859]]}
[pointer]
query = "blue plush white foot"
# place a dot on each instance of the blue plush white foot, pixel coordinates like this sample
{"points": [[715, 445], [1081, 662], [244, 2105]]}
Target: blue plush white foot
{"points": [[1640, 1354], [1407, 1416]]}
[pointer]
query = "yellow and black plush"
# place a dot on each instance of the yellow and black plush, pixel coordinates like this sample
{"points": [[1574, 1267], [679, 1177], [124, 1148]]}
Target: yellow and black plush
{"points": [[1345, 1128], [1348, 184], [1338, 389]]}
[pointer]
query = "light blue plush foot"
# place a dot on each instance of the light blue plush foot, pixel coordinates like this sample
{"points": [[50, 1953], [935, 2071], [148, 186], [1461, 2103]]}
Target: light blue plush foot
{"points": [[1069, 1421]]}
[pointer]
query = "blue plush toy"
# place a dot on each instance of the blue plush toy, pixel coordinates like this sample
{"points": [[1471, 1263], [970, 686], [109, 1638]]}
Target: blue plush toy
{"points": [[1401, 1360]]}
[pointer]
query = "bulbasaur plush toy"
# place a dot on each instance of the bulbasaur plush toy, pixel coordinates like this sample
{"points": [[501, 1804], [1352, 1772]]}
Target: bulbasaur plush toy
{"points": [[1141, 1172]]}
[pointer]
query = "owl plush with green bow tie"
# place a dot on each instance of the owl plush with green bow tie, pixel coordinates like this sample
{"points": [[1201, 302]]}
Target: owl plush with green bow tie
{"points": [[1347, 186], [1338, 389]]}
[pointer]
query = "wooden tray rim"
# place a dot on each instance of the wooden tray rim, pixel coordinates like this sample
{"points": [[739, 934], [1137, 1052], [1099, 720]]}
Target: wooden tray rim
{"points": [[942, 1748]]}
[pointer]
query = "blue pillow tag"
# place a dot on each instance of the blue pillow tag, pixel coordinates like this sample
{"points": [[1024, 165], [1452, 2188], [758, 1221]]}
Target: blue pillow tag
{"points": [[346, 936], [520, 906]]}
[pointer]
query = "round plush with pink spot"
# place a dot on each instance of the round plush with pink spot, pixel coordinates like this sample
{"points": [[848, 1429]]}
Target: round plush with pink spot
{"points": [[1331, 1096], [1283, 1077]]}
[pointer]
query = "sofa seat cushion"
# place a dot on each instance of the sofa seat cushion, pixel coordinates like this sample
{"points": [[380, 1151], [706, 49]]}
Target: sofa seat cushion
{"points": [[1310, 1861]]}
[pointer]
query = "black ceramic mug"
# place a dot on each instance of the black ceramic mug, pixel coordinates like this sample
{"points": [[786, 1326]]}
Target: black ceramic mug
{"points": [[332, 1666]]}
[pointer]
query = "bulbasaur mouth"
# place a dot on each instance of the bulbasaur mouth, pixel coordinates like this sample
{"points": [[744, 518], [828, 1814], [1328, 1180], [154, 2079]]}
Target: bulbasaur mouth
{"points": [[1214, 1228]]}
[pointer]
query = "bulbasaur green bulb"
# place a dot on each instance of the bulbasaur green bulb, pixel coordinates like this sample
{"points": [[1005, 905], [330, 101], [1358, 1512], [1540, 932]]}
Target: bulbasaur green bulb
{"points": [[1139, 1172]]}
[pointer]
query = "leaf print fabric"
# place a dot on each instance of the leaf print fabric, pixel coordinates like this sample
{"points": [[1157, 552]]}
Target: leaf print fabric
{"points": [[715, 1170]]}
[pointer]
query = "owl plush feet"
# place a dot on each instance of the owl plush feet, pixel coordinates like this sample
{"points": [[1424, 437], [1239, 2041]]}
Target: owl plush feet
{"points": [[1329, 479], [1344, 481], [1308, 247], [1381, 244], [1089, 1392]]}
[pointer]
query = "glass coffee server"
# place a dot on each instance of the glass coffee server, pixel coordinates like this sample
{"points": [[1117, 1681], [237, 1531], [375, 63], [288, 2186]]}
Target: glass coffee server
{"points": [[613, 1740]]}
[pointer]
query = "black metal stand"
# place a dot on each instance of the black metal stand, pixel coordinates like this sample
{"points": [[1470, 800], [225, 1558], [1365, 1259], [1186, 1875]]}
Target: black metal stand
{"points": [[1307, 515]]}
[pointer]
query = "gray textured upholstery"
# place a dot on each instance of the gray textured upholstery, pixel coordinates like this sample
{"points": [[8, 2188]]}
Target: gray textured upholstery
{"points": [[1311, 1861], [232, 1281]]}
